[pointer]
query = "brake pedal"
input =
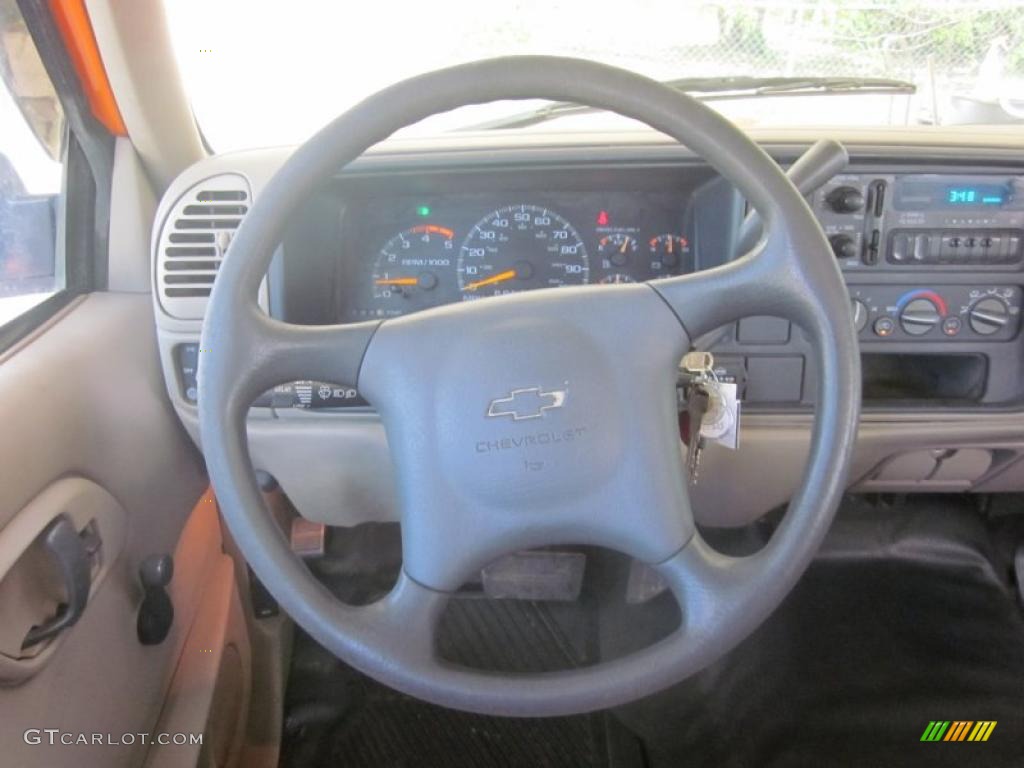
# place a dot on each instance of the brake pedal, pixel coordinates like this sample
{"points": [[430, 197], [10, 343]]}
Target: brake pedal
{"points": [[308, 539]]}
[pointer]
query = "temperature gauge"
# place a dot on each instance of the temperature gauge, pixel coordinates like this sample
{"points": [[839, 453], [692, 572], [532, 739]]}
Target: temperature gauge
{"points": [[669, 255]]}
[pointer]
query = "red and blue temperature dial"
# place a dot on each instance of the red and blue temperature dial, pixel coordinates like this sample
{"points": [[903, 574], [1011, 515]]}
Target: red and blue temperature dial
{"points": [[921, 310]]}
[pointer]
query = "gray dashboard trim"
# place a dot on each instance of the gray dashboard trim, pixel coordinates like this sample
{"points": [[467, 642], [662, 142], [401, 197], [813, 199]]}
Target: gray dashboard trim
{"points": [[731, 490]]}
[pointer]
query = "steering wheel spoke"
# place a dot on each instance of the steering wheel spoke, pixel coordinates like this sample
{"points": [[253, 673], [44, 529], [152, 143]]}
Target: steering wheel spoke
{"points": [[764, 281], [259, 352], [288, 352], [404, 622]]}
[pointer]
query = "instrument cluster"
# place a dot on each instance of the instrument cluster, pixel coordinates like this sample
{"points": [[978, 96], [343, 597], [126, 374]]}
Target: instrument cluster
{"points": [[402, 255]]}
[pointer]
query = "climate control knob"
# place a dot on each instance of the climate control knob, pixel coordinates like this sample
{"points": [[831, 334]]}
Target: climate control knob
{"points": [[843, 246], [919, 317], [988, 316], [845, 199], [860, 314]]}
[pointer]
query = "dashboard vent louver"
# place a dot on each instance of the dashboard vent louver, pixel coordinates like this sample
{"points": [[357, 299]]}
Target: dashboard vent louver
{"points": [[196, 234]]}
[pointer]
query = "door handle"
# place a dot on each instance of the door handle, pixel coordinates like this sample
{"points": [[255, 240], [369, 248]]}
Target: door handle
{"points": [[62, 541]]}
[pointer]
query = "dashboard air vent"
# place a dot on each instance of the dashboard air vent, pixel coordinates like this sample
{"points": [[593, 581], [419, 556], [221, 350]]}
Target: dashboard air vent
{"points": [[196, 234]]}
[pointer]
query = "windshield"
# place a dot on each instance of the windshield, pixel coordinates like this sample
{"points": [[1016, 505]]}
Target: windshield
{"points": [[262, 73]]}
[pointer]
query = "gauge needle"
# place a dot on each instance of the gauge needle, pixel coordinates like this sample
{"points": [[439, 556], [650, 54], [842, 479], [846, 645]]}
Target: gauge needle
{"points": [[501, 277], [397, 281], [625, 244]]}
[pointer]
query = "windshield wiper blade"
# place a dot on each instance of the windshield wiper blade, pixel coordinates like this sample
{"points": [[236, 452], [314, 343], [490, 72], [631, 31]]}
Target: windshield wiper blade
{"points": [[718, 89]]}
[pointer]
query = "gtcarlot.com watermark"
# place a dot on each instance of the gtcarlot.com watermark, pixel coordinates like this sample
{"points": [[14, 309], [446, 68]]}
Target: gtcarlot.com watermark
{"points": [[55, 737]]}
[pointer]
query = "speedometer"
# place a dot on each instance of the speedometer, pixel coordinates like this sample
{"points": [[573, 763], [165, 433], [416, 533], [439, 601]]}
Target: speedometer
{"points": [[518, 248]]}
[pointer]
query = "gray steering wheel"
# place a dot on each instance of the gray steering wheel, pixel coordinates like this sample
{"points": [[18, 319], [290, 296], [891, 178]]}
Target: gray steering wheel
{"points": [[604, 468]]}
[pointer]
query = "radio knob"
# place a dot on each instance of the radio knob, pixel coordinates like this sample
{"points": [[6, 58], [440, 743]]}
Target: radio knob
{"points": [[919, 317], [843, 246], [845, 200], [988, 316]]}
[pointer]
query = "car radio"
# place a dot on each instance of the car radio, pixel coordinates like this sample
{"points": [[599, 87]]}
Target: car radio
{"points": [[888, 222]]}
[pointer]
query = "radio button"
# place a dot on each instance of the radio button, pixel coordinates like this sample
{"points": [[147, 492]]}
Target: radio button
{"points": [[992, 249], [921, 248], [899, 249], [1012, 252], [949, 250]]}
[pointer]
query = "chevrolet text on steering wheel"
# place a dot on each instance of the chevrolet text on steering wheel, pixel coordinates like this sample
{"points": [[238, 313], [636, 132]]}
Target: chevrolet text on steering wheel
{"points": [[603, 475]]}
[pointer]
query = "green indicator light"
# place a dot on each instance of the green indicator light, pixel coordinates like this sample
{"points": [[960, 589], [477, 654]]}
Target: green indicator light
{"points": [[423, 210]]}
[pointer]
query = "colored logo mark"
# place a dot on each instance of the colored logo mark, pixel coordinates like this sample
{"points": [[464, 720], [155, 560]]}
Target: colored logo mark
{"points": [[958, 730]]}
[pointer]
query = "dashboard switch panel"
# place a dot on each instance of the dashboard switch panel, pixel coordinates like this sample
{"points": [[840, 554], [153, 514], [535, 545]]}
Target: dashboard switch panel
{"points": [[186, 358], [307, 395]]}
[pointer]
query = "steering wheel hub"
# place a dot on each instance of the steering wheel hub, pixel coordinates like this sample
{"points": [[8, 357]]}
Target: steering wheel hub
{"points": [[544, 418]]}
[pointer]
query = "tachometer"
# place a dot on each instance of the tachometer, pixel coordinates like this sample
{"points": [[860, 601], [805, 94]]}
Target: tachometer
{"points": [[409, 268], [520, 247]]}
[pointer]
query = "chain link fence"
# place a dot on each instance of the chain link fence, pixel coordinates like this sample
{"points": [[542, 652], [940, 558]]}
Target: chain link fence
{"points": [[951, 48], [880, 37]]}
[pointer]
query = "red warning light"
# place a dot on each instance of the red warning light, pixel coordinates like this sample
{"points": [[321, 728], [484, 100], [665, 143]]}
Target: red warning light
{"points": [[603, 218]]}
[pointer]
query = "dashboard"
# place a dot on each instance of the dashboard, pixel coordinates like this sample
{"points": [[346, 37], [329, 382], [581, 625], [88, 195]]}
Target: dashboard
{"points": [[929, 243]]}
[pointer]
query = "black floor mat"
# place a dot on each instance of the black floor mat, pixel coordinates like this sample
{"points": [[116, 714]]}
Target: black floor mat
{"points": [[907, 617], [338, 717], [394, 730]]}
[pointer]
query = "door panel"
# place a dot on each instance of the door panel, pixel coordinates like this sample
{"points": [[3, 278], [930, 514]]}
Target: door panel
{"points": [[31, 587], [84, 398]]}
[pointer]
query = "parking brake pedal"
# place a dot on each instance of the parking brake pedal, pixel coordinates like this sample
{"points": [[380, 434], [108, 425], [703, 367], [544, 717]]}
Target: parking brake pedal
{"points": [[156, 614]]}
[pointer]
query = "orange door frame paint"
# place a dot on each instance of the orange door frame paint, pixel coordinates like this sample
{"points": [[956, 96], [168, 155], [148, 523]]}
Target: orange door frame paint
{"points": [[72, 22]]}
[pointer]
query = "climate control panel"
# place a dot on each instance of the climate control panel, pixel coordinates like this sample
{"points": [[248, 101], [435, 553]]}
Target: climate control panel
{"points": [[948, 312]]}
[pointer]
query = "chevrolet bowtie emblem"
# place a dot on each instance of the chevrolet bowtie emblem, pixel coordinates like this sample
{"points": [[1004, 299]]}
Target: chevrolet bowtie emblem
{"points": [[529, 403]]}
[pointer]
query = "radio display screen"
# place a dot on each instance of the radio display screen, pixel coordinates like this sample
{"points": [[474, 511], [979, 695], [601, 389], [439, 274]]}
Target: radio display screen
{"points": [[988, 194], [931, 193]]}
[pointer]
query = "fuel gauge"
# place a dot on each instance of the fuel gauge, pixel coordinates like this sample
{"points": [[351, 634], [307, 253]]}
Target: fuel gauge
{"points": [[616, 249]]}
